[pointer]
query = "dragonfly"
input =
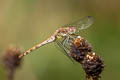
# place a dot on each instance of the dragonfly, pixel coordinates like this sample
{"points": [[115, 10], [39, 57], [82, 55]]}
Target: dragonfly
{"points": [[63, 35]]}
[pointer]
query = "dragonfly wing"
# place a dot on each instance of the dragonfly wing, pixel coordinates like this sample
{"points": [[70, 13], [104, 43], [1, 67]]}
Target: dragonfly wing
{"points": [[82, 23], [63, 49]]}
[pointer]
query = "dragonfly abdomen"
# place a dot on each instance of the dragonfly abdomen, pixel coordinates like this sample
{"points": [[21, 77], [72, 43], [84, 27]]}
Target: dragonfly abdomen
{"points": [[49, 40]]}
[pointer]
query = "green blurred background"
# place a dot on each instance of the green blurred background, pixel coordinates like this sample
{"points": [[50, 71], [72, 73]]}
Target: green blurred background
{"points": [[28, 22]]}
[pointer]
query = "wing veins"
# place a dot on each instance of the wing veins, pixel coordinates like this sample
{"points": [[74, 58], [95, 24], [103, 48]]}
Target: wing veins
{"points": [[64, 50]]}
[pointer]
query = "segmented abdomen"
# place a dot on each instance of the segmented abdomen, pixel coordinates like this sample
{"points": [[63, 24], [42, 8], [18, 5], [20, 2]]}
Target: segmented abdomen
{"points": [[49, 40]]}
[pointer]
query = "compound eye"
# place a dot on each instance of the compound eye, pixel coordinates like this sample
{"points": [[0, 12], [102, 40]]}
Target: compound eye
{"points": [[71, 29]]}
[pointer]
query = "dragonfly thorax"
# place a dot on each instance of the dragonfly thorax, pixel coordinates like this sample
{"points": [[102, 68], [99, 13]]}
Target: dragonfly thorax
{"points": [[61, 32], [65, 31]]}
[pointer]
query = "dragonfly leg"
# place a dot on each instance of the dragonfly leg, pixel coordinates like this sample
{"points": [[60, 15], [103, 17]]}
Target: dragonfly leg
{"points": [[65, 42]]}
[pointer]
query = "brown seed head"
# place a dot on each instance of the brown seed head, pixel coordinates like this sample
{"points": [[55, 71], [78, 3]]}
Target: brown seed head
{"points": [[10, 59], [93, 65], [77, 42], [79, 48]]}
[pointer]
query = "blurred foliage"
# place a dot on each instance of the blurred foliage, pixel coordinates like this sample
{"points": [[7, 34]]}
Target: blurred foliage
{"points": [[28, 22]]}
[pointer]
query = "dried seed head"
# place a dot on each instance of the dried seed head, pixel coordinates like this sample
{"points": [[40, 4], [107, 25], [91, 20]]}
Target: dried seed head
{"points": [[93, 66], [11, 61], [79, 48], [10, 58]]}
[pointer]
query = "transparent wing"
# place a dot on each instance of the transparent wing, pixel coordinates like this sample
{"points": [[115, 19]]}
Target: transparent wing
{"points": [[81, 24], [63, 49]]}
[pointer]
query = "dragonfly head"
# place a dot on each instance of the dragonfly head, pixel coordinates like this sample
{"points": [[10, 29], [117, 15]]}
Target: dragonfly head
{"points": [[71, 30]]}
